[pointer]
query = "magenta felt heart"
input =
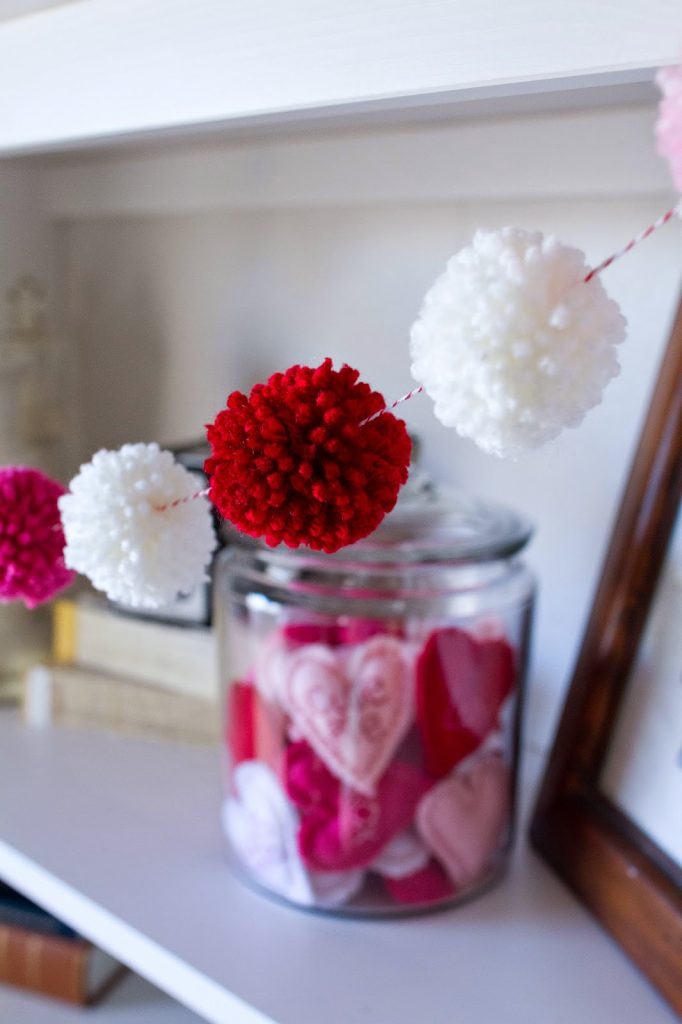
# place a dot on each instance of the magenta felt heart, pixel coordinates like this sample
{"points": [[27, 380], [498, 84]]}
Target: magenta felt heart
{"points": [[461, 684], [429, 884], [342, 829], [464, 818], [353, 706], [302, 632]]}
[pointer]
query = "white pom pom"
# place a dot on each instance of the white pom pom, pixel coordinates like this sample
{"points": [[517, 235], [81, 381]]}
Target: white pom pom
{"points": [[511, 344], [123, 537]]}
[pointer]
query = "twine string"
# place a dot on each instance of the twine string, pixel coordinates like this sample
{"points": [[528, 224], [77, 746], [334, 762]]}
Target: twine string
{"points": [[183, 501], [663, 219], [659, 223], [398, 401]]}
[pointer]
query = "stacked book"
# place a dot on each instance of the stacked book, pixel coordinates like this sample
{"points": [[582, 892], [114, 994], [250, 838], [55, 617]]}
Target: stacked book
{"points": [[40, 953], [118, 672]]}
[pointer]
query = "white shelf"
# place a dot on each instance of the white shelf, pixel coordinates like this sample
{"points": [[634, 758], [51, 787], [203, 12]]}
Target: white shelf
{"points": [[120, 838], [132, 1001], [88, 71]]}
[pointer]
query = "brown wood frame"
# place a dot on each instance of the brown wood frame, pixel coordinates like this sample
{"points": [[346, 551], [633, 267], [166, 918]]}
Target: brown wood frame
{"points": [[620, 874]]}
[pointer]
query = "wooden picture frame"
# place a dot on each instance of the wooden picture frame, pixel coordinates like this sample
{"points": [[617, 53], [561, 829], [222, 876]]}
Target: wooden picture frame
{"points": [[625, 879]]}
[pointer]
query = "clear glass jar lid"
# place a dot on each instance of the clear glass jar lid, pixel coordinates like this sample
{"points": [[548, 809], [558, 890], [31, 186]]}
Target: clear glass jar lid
{"points": [[427, 525], [446, 525]]}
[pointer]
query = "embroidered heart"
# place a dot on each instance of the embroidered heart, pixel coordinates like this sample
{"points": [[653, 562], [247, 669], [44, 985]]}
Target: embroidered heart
{"points": [[464, 818], [352, 706], [342, 829], [462, 682]]}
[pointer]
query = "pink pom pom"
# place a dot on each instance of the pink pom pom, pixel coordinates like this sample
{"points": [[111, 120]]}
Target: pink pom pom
{"points": [[669, 123], [32, 566]]}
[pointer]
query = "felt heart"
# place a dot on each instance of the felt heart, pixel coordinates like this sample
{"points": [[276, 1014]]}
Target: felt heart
{"points": [[299, 633], [462, 682], [261, 825], [464, 818], [239, 722], [429, 884], [333, 889], [254, 728], [363, 825], [353, 706], [342, 829], [404, 855], [355, 631]]}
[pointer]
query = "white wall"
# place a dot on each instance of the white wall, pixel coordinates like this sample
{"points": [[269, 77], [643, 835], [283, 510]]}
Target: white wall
{"points": [[24, 233], [25, 247], [174, 311]]}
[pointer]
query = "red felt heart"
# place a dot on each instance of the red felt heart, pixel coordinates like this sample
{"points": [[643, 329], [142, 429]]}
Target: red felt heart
{"points": [[239, 724], [428, 885], [461, 684], [254, 728]]}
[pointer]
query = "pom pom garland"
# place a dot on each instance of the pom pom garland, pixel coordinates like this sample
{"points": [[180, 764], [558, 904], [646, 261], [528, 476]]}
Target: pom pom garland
{"points": [[32, 566], [305, 459], [512, 344], [129, 529], [669, 123]]}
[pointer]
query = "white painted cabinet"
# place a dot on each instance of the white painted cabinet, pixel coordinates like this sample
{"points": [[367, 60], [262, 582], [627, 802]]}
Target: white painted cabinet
{"points": [[305, 170], [93, 69]]}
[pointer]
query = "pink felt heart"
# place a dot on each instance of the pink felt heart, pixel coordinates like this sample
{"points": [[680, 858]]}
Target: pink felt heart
{"points": [[353, 706], [464, 818]]}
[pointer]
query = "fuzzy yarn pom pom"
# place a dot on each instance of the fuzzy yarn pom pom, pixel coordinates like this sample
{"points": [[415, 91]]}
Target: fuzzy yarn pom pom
{"points": [[511, 344], [296, 461], [32, 566], [669, 123], [133, 527]]}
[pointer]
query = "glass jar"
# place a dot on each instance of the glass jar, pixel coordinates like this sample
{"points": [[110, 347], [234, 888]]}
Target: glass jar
{"points": [[372, 708]]}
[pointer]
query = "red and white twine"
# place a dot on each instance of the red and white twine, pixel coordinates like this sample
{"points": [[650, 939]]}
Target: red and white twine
{"points": [[663, 219], [182, 501]]}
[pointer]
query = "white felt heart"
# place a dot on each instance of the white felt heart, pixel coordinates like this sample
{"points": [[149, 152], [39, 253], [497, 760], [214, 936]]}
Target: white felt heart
{"points": [[465, 817], [403, 856], [353, 706], [334, 888], [262, 827]]}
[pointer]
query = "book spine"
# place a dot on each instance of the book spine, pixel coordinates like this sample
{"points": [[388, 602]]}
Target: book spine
{"points": [[64, 631], [80, 699], [173, 658], [34, 919], [47, 964]]}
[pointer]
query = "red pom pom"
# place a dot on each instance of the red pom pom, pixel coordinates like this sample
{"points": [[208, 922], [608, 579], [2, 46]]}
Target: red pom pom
{"points": [[295, 462], [31, 537]]}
